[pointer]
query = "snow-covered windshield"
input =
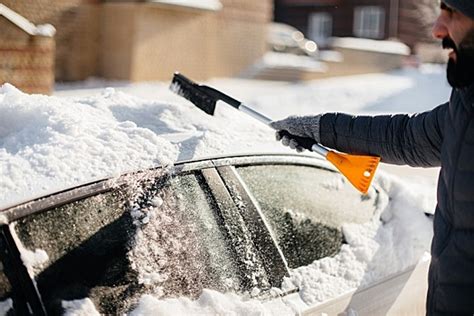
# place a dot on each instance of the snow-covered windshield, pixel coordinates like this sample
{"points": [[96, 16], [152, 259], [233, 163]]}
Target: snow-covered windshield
{"points": [[155, 236]]}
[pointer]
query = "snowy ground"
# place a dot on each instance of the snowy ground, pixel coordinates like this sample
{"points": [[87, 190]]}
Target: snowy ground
{"points": [[88, 131]]}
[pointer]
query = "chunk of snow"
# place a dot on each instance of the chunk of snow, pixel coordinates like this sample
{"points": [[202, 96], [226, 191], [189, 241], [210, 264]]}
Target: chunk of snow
{"points": [[209, 303], [83, 307], [3, 219], [157, 201], [45, 30], [35, 258]]}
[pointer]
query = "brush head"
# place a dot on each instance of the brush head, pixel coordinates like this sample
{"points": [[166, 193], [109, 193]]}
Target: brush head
{"points": [[194, 93]]}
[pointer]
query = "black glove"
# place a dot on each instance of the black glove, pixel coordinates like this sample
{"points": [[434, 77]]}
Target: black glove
{"points": [[298, 132]]}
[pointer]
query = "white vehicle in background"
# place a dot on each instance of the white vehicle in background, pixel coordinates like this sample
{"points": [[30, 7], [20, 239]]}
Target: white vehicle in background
{"points": [[284, 38]]}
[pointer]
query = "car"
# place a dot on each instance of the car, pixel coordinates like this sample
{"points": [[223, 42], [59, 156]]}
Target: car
{"points": [[230, 224], [284, 38]]}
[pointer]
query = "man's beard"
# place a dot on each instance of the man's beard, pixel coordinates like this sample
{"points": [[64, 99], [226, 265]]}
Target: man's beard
{"points": [[461, 72]]}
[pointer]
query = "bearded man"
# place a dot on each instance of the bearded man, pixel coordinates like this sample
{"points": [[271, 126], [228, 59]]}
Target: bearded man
{"points": [[442, 137]]}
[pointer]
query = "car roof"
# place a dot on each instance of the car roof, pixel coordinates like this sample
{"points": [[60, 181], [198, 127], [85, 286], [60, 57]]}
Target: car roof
{"points": [[97, 186]]}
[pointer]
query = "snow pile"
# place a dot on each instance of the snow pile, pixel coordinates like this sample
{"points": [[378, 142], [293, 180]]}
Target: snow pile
{"points": [[51, 143], [83, 307], [47, 143], [209, 303]]}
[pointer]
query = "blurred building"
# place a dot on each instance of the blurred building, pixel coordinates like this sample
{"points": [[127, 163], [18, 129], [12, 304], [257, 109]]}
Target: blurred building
{"points": [[150, 39], [406, 20]]}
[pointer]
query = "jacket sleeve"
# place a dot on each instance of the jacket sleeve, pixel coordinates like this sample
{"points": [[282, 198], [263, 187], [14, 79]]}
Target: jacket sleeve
{"points": [[400, 139]]}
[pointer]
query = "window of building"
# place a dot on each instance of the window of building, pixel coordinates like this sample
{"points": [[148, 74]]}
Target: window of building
{"points": [[369, 22], [320, 27]]}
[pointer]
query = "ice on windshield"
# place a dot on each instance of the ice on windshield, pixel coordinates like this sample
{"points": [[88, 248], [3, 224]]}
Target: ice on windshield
{"points": [[153, 233], [178, 248]]}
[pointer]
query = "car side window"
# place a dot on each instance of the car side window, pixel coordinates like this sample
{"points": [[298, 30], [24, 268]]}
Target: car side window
{"points": [[162, 236], [305, 208]]}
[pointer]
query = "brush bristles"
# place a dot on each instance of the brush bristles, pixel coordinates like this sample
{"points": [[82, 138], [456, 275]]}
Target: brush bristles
{"points": [[175, 87], [194, 93]]}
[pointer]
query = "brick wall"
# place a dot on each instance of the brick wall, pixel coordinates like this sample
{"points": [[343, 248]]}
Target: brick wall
{"points": [[77, 35], [26, 61]]}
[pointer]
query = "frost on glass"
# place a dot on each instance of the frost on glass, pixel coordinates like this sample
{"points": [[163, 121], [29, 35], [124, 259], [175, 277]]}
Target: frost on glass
{"points": [[155, 235], [179, 248], [306, 207], [86, 243]]}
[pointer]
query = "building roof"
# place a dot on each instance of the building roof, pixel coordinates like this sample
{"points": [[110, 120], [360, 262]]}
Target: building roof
{"points": [[25, 25]]}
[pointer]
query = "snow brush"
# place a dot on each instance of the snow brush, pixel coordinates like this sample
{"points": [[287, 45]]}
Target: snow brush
{"points": [[359, 170]]}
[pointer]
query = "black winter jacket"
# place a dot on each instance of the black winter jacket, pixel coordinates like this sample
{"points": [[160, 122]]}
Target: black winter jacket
{"points": [[442, 137]]}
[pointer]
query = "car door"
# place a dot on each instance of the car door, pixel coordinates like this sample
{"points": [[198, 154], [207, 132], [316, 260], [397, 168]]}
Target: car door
{"points": [[169, 233]]}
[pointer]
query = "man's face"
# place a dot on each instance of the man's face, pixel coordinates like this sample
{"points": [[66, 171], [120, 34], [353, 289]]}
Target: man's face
{"points": [[457, 33]]}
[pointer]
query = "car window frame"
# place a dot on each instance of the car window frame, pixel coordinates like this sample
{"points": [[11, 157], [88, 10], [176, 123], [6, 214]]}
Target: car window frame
{"points": [[25, 294]]}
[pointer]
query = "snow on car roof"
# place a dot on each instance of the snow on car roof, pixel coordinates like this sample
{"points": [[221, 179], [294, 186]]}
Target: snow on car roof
{"points": [[49, 143]]}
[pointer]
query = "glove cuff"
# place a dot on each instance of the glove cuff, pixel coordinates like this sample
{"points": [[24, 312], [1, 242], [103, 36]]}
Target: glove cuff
{"points": [[311, 126]]}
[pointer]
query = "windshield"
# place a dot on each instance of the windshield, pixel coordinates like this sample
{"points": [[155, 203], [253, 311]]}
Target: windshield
{"points": [[159, 236]]}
